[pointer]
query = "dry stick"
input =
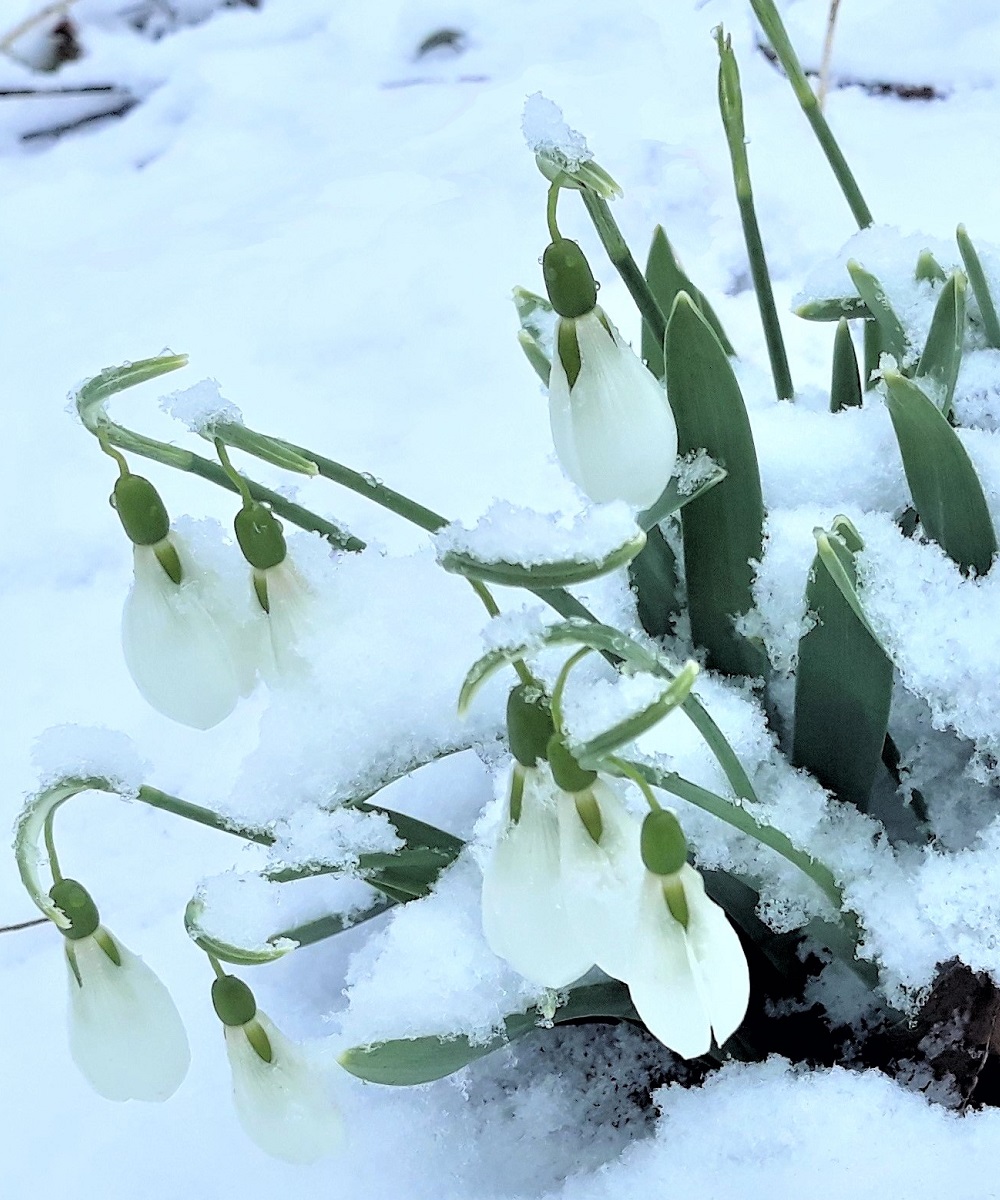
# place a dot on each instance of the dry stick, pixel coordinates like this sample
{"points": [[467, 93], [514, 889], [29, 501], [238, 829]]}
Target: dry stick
{"points": [[23, 925], [824, 66]]}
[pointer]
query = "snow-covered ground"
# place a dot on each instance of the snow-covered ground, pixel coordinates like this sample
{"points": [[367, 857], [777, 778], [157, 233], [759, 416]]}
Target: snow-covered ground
{"points": [[331, 227]]}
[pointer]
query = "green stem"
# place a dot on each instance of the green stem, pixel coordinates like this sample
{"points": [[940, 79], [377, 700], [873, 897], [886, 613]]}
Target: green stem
{"points": [[560, 687], [50, 848], [621, 258], [740, 818], [204, 468], [767, 14], [550, 213], [201, 816], [731, 107], [234, 475]]}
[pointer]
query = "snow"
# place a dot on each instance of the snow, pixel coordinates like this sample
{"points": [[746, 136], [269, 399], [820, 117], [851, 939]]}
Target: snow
{"points": [[330, 226]]}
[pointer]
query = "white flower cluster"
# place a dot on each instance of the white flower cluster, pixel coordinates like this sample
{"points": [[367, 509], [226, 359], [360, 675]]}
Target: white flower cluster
{"points": [[557, 901]]}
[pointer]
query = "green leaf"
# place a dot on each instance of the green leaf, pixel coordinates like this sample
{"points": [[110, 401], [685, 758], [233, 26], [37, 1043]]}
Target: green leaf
{"points": [[538, 322], [652, 575], [873, 294], [552, 574], [843, 685], [943, 482], [591, 754], [942, 354], [980, 288], [833, 308], [666, 277], [408, 1061], [928, 269], [673, 498], [723, 530], [845, 384], [95, 393]]}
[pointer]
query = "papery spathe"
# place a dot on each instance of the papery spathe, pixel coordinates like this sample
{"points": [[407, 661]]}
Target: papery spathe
{"points": [[686, 984], [182, 649], [283, 1105], [612, 429], [125, 1033]]}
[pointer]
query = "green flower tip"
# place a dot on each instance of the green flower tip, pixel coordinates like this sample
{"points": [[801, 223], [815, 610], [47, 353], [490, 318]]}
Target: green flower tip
{"points": [[569, 280], [77, 905], [140, 510], [259, 534], [233, 1001], [566, 771], [529, 724], [663, 845]]}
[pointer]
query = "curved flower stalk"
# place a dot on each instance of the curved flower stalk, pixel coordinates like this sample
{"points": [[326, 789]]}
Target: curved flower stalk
{"points": [[280, 1096], [612, 428], [125, 1033]]}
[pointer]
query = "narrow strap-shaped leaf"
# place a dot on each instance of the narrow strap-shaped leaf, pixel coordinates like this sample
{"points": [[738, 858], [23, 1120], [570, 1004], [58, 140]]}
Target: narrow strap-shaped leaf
{"points": [[873, 294], [591, 754], [540, 362], [673, 499], [843, 683], [980, 288], [833, 308], [408, 1061], [553, 574], [942, 354], [943, 482], [666, 277], [845, 383], [723, 530], [652, 575], [929, 269]]}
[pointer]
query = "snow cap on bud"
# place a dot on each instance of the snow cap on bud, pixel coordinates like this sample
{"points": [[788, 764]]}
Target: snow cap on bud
{"points": [[663, 845], [529, 724], [569, 280]]}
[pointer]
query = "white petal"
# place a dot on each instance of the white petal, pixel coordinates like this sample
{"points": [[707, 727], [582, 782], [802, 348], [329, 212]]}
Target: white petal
{"points": [[613, 431], [286, 625], [722, 970], [602, 881], [179, 657], [661, 978], [525, 917], [125, 1033], [283, 1105]]}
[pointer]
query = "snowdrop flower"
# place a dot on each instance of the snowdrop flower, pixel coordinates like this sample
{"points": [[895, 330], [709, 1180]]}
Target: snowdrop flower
{"points": [[687, 973], [612, 428], [280, 1096], [125, 1033], [283, 597], [182, 650]]}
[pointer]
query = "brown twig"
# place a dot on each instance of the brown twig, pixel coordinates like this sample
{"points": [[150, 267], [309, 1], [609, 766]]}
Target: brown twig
{"points": [[24, 925], [824, 66]]}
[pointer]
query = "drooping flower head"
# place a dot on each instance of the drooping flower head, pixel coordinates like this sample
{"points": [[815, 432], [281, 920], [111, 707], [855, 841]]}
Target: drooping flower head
{"points": [[281, 1098], [125, 1033], [612, 428]]}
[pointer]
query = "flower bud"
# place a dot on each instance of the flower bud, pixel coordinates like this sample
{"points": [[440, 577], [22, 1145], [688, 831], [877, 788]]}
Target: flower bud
{"points": [[259, 534]]}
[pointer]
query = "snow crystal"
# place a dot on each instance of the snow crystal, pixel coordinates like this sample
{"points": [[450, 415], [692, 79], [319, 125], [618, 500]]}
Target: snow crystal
{"points": [[333, 836], [509, 534], [201, 406], [68, 751], [547, 134]]}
